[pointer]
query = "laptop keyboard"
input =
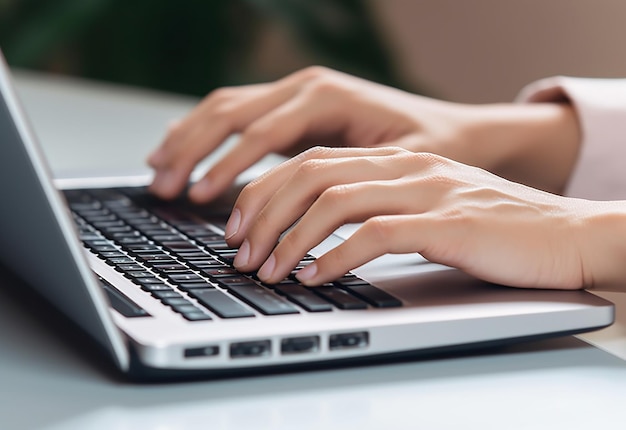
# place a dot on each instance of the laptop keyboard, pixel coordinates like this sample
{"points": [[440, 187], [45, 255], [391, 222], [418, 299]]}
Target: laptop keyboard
{"points": [[185, 263]]}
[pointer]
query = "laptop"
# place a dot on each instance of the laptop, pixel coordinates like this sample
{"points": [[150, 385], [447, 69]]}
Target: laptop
{"points": [[152, 283]]}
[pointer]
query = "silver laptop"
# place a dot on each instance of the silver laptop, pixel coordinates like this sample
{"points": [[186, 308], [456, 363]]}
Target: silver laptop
{"points": [[152, 283]]}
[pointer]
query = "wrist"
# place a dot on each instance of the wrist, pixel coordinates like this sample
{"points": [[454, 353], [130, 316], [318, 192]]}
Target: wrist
{"points": [[602, 246], [535, 144]]}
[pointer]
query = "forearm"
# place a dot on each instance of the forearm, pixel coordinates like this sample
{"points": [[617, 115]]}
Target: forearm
{"points": [[534, 144]]}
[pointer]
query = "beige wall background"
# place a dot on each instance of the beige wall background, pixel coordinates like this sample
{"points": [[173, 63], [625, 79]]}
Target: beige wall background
{"points": [[487, 50]]}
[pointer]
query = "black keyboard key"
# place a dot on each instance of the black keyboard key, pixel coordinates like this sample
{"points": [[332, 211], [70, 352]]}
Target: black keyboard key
{"points": [[156, 287], [221, 304], [93, 212], [148, 281], [206, 264], [212, 241], [169, 237], [220, 246], [194, 286], [191, 256], [122, 235], [129, 267], [180, 278], [108, 224], [304, 297], [152, 263], [138, 274], [157, 256], [230, 281], [119, 258], [142, 249], [219, 272], [134, 240], [372, 295], [101, 220], [176, 301], [162, 294], [97, 243], [170, 267], [119, 229], [100, 249], [263, 300], [179, 246], [152, 233], [196, 316], [339, 298], [189, 308]]}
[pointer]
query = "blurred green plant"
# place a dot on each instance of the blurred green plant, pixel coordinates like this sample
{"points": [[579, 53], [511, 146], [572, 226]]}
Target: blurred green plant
{"points": [[185, 46]]}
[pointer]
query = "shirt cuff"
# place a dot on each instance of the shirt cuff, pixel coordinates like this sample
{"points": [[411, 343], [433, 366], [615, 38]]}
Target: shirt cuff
{"points": [[599, 173]]}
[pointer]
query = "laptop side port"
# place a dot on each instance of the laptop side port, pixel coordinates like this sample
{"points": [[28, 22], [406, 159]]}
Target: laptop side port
{"points": [[299, 345], [203, 351], [256, 348], [348, 340]]}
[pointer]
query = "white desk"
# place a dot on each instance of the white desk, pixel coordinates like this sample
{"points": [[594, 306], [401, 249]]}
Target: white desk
{"points": [[47, 382]]}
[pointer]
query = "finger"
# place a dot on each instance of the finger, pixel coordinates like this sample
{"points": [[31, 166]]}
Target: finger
{"points": [[202, 132], [297, 182], [276, 130], [223, 112], [394, 234], [335, 207]]}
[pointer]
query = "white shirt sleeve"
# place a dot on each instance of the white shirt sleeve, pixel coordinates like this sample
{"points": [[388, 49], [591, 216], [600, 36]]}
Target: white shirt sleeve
{"points": [[600, 171]]}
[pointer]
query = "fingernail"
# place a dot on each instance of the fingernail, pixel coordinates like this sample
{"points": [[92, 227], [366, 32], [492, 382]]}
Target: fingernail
{"points": [[307, 273], [243, 255], [232, 226], [201, 189], [267, 269]]}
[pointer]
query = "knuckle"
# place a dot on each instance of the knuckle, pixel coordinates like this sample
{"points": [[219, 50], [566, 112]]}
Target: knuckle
{"points": [[380, 230], [223, 111], [221, 94], [172, 139], [315, 153], [309, 169], [335, 195], [399, 151], [261, 131], [248, 192], [429, 159], [261, 223], [325, 87], [290, 243], [314, 72], [340, 259]]}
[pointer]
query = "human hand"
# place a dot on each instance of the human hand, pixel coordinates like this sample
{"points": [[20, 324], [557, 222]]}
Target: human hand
{"points": [[453, 214], [528, 143]]}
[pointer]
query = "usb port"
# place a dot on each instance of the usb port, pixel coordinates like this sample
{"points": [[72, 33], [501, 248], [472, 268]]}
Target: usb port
{"points": [[257, 348], [299, 345], [203, 351], [348, 340]]}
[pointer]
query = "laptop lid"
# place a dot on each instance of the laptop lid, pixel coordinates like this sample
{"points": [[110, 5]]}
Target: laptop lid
{"points": [[38, 236]]}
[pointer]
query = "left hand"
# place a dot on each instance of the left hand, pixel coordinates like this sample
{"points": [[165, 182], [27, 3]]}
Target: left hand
{"points": [[451, 213]]}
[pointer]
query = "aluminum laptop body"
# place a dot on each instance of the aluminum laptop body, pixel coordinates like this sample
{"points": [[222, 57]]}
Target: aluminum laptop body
{"points": [[440, 308]]}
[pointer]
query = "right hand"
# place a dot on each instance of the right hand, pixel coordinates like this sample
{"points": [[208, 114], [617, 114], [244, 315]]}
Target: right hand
{"points": [[535, 144], [450, 213]]}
